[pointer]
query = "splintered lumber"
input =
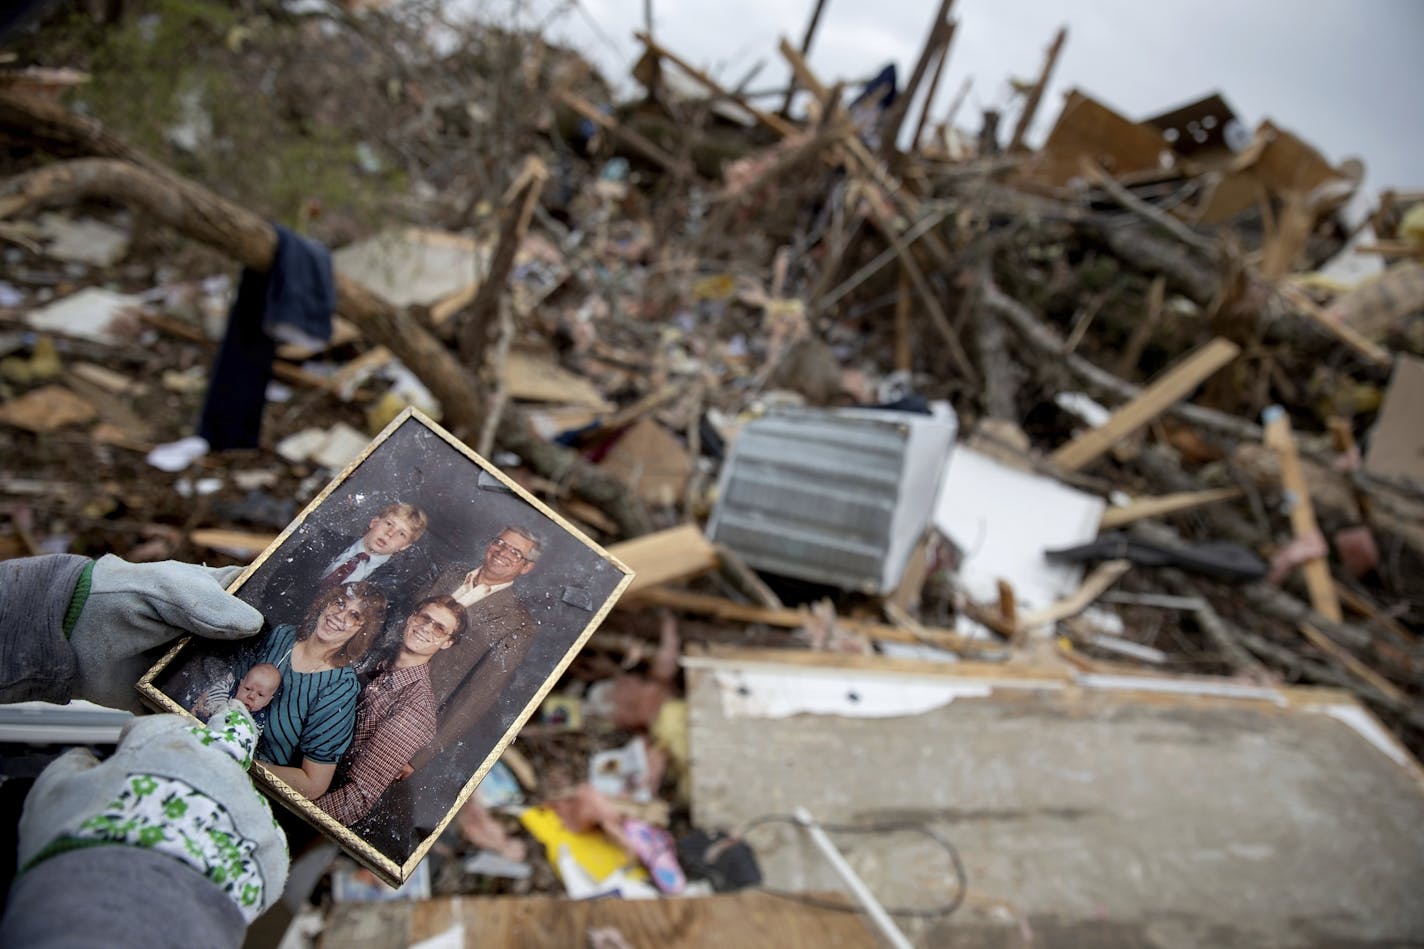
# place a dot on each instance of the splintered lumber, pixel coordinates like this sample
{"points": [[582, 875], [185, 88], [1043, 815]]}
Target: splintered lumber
{"points": [[618, 130], [939, 29], [237, 543], [1147, 210], [787, 618], [1140, 508], [938, 317], [1036, 94], [1302, 512], [1046, 340], [1342, 331], [802, 72], [1142, 332], [1226, 637], [805, 51], [904, 360], [1354, 666], [519, 201], [1154, 400], [941, 58], [674, 554], [774, 122]]}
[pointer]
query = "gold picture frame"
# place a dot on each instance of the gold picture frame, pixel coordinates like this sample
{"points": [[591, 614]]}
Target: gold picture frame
{"points": [[520, 637]]}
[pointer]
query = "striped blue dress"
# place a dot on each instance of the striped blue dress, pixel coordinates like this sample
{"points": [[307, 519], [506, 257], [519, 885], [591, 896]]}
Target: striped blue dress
{"points": [[313, 714]]}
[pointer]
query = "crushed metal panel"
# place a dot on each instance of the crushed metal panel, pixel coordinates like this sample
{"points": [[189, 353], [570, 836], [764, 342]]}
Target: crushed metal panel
{"points": [[833, 497]]}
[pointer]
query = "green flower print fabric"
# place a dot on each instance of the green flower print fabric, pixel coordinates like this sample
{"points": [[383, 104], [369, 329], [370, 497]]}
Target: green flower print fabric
{"points": [[173, 788]]}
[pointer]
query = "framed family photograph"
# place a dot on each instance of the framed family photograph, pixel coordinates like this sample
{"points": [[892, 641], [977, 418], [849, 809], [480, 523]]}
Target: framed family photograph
{"points": [[416, 613]]}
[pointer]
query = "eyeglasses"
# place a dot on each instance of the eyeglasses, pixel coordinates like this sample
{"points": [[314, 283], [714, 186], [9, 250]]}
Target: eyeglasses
{"points": [[499, 543], [422, 618]]}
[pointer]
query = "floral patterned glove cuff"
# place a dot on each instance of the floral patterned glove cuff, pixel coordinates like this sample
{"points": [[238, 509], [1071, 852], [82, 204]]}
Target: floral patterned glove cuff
{"points": [[173, 788]]}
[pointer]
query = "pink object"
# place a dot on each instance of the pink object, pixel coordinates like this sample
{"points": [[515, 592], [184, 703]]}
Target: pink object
{"points": [[1355, 546], [1300, 550], [654, 847]]}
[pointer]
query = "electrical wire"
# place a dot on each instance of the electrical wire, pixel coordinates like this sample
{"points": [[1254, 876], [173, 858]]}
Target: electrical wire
{"points": [[885, 827]]}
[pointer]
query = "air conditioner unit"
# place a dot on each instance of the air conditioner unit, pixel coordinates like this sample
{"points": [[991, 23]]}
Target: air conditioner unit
{"points": [[832, 496]]}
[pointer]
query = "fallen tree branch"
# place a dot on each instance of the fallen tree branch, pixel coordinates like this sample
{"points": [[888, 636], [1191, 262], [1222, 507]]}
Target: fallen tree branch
{"points": [[202, 215], [211, 219]]}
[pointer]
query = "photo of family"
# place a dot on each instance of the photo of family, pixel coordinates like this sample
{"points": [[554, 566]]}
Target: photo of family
{"points": [[416, 613]]}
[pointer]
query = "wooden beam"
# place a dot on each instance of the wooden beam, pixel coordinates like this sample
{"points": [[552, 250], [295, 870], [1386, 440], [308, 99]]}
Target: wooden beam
{"points": [[239, 543], [1141, 508], [903, 356], [1036, 94], [1142, 332], [723, 609], [801, 72], [938, 317], [940, 60], [774, 122], [1342, 331], [479, 324], [615, 128], [1393, 249], [1302, 513], [890, 129], [1170, 387], [1343, 657], [805, 51]]}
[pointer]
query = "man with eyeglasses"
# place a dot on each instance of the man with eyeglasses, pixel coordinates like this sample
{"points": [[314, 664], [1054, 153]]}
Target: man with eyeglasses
{"points": [[396, 714], [469, 680]]}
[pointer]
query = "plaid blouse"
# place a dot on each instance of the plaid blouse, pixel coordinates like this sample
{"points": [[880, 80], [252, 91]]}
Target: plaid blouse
{"points": [[394, 719]]}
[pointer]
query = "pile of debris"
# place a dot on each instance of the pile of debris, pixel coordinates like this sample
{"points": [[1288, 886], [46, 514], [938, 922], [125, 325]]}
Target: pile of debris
{"points": [[820, 390]]}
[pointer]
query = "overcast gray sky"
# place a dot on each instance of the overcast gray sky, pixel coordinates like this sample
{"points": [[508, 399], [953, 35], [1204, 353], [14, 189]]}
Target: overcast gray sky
{"points": [[1348, 77]]}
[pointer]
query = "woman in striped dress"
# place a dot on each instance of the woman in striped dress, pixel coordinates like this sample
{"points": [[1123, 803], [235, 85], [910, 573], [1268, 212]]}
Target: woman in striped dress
{"points": [[310, 720]]}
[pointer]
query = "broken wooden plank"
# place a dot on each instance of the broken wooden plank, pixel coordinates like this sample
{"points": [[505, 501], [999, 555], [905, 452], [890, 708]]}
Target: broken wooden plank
{"points": [[1342, 331], [1035, 95], [895, 116], [1318, 582], [618, 130], [938, 317], [238, 543], [673, 554], [1167, 389], [805, 51], [1140, 508], [479, 324], [941, 57], [723, 609], [1357, 668], [774, 122]]}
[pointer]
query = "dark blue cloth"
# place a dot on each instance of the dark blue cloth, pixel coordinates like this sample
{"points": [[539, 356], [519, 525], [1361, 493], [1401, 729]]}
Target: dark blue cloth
{"points": [[294, 299]]}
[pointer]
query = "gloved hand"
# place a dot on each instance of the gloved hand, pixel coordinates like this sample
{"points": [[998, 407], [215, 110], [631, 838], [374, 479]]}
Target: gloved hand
{"points": [[172, 787], [133, 608]]}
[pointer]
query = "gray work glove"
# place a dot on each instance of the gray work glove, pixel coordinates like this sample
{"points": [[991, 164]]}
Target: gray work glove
{"points": [[134, 607], [172, 787]]}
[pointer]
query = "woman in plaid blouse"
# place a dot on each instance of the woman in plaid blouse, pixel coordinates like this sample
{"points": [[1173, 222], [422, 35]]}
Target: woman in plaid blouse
{"points": [[395, 716]]}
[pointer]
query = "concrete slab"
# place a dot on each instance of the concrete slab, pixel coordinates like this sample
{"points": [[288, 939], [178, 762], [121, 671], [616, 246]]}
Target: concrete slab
{"points": [[1085, 815]]}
